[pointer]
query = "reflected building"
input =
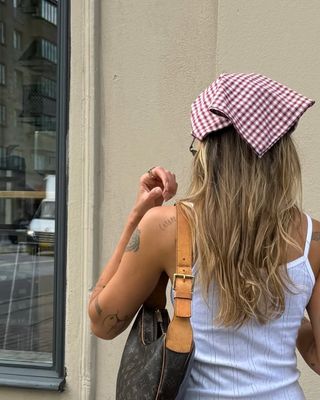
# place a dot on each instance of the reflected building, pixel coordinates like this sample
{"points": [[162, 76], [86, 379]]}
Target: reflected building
{"points": [[28, 98], [28, 68]]}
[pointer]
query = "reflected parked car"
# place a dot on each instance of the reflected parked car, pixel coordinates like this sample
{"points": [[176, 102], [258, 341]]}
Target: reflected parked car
{"points": [[40, 234]]}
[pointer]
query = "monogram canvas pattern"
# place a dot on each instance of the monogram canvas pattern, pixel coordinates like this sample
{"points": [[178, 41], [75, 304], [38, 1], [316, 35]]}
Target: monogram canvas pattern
{"points": [[149, 371]]}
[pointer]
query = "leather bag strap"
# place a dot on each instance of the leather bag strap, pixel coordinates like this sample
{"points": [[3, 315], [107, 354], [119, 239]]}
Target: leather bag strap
{"points": [[179, 335]]}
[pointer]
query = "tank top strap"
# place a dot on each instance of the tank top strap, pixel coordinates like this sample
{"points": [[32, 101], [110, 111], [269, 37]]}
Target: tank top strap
{"points": [[309, 234]]}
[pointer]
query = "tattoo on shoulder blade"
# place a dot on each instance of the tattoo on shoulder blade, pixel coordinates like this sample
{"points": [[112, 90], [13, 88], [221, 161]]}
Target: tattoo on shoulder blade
{"points": [[134, 242], [97, 306], [167, 222], [315, 236]]}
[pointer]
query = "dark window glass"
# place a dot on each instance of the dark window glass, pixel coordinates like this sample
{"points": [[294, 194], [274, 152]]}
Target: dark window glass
{"points": [[29, 143]]}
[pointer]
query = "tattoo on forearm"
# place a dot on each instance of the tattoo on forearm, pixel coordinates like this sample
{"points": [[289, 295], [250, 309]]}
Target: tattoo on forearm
{"points": [[167, 222], [97, 306], [114, 318], [315, 236], [134, 242], [112, 321]]}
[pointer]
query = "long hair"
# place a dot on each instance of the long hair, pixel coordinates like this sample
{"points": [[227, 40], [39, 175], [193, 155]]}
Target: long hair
{"points": [[241, 208]]}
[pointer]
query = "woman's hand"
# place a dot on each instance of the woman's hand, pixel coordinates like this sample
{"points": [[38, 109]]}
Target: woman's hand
{"points": [[156, 186]]}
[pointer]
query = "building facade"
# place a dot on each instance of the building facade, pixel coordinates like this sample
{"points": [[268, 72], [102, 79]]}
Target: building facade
{"points": [[92, 94]]}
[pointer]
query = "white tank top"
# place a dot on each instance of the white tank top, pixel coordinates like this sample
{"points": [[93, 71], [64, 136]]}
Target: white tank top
{"points": [[256, 361]]}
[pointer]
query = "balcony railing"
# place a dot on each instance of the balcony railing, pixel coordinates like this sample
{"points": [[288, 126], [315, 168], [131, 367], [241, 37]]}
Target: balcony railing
{"points": [[35, 103]]}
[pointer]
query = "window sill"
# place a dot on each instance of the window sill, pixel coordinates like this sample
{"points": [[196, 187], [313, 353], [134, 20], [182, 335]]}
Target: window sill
{"points": [[24, 380]]}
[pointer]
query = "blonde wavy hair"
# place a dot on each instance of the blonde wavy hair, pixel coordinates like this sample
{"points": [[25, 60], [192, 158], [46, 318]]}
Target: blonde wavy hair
{"points": [[241, 208]]}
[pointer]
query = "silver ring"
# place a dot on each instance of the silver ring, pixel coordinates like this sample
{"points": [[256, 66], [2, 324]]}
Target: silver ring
{"points": [[150, 173]]}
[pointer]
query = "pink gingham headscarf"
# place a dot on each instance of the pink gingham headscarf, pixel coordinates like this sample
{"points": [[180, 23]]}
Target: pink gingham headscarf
{"points": [[260, 109]]}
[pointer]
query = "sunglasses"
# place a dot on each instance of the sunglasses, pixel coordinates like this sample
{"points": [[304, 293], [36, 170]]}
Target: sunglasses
{"points": [[192, 149]]}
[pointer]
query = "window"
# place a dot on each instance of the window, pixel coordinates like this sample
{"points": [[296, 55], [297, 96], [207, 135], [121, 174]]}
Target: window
{"points": [[48, 87], [18, 79], [33, 121], [49, 50], [2, 33], [16, 121], [2, 74], [17, 40], [3, 114], [48, 11]]}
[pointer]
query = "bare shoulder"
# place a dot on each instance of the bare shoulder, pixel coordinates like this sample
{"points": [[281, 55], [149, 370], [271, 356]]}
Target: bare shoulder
{"points": [[314, 254], [159, 223], [161, 218]]}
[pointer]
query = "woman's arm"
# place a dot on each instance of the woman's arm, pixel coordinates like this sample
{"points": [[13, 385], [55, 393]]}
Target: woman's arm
{"points": [[124, 284], [308, 341], [307, 347]]}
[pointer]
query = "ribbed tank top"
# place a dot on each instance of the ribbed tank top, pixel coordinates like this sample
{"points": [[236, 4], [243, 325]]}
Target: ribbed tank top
{"points": [[255, 361]]}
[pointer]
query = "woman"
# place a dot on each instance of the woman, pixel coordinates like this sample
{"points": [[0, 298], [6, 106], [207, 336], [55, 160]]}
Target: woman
{"points": [[256, 254]]}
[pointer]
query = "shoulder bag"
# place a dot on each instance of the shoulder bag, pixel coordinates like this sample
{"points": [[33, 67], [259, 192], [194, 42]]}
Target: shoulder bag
{"points": [[158, 354]]}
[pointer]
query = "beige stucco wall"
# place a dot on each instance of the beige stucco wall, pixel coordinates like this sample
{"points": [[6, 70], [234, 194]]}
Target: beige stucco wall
{"points": [[155, 56], [281, 40]]}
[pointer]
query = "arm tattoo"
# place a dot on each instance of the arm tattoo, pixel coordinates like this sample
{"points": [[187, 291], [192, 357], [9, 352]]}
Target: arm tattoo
{"points": [[134, 242], [97, 306], [113, 322], [315, 236], [167, 223], [114, 318]]}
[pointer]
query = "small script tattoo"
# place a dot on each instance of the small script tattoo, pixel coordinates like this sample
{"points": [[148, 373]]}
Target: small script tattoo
{"points": [[97, 306], [315, 236], [167, 222], [134, 242]]}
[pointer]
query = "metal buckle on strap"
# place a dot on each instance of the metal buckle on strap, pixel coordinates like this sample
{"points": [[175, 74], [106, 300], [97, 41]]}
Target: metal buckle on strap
{"points": [[184, 277]]}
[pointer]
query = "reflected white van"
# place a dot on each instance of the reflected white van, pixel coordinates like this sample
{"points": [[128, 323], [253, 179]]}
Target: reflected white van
{"points": [[40, 234]]}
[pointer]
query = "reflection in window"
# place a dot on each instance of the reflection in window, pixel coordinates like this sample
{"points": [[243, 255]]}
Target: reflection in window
{"points": [[3, 114], [49, 50], [17, 77], [17, 40], [49, 11], [2, 74], [28, 106], [46, 210], [2, 33]]}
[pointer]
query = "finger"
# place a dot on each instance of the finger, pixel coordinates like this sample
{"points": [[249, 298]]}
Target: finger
{"points": [[168, 180], [171, 190], [149, 182], [155, 194]]}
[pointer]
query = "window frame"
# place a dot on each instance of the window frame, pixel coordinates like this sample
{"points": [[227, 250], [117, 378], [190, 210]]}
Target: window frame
{"points": [[53, 377]]}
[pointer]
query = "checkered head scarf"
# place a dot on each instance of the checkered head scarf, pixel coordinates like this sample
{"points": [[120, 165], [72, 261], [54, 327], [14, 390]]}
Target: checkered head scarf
{"points": [[260, 109]]}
